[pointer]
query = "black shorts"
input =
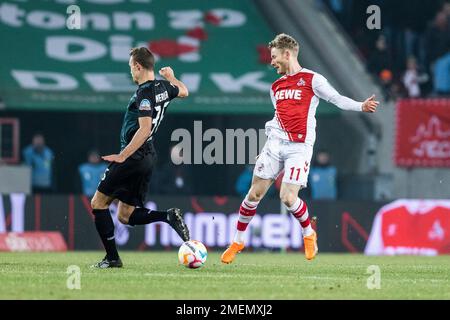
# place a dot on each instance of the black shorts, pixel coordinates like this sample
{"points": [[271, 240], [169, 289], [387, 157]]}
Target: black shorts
{"points": [[129, 181]]}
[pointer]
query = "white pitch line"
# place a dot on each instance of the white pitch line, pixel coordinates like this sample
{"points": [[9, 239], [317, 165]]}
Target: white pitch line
{"points": [[201, 274]]}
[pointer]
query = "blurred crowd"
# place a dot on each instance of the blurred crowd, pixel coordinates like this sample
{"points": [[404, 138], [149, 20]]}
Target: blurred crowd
{"points": [[410, 55]]}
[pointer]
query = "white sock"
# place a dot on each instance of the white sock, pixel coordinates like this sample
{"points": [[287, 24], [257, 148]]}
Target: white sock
{"points": [[239, 236], [307, 231], [295, 209]]}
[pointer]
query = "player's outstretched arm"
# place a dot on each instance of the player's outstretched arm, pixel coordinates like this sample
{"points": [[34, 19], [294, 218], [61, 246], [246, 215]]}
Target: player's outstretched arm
{"points": [[169, 75], [326, 92]]}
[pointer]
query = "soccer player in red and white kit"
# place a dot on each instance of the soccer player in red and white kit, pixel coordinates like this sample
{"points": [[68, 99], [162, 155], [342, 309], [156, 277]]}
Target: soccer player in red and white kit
{"points": [[291, 135]]}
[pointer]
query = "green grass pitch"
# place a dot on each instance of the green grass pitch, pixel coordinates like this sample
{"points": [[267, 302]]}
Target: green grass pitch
{"points": [[157, 275]]}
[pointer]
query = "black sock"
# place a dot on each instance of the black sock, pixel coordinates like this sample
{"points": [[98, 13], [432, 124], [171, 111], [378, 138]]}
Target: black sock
{"points": [[105, 228], [145, 216]]}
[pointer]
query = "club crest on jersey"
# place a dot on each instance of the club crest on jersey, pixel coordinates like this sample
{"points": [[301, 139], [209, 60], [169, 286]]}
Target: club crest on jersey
{"points": [[301, 82], [145, 105]]}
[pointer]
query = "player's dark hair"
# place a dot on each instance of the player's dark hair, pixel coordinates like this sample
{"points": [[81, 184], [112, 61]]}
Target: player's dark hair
{"points": [[144, 57]]}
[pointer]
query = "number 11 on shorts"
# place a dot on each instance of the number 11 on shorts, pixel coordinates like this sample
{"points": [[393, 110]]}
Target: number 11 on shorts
{"points": [[292, 173]]}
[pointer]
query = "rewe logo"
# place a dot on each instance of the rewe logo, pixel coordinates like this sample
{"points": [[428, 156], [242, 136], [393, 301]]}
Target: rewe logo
{"points": [[288, 94]]}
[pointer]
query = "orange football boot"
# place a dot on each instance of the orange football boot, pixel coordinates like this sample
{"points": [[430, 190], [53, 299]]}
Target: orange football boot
{"points": [[311, 248], [229, 254]]}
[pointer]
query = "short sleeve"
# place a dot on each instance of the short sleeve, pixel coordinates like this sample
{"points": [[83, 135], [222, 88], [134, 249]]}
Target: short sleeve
{"points": [[144, 103], [172, 89]]}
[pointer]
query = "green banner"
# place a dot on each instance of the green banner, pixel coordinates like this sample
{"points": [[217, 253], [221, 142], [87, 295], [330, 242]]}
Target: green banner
{"points": [[58, 56]]}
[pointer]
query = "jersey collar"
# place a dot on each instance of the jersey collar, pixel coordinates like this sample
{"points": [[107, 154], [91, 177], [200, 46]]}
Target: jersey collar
{"points": [[293, 74], [146, 82]]}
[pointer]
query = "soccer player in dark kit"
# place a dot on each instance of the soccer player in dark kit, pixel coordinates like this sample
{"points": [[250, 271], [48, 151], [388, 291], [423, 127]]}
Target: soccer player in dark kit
{"points": [[128, 175]]}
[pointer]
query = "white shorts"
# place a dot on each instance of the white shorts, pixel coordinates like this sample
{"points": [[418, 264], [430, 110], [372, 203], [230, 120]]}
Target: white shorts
{"points": [[278, 155]]}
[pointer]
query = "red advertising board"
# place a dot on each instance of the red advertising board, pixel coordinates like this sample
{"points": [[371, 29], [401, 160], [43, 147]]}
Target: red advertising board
{"points": [[411, 227], [423, 133], [32, 241]]}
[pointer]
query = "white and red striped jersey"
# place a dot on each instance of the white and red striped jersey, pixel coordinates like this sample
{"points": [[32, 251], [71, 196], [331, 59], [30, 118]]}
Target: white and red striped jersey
{"points": [[295, 98]]}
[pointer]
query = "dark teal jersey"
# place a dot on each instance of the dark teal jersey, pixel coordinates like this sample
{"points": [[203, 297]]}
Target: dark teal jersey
{"points": [[150, 100]]}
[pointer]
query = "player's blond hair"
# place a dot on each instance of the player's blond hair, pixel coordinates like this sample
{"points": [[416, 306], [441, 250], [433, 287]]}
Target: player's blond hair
{"points": [[284, 41]]}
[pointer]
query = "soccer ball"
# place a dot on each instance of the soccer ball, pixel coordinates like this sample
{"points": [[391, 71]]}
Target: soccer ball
{"points": [[192, 254]]}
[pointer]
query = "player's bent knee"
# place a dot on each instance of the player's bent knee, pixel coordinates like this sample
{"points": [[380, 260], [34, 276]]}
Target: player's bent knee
{"points": [[288, 198], [123, 218], [97, 204], [100, 201], [124, 213], [254, 195], [94, 203]]}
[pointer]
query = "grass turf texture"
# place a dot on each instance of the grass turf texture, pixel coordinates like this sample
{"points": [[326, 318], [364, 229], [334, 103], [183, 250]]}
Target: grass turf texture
{"points": [[157, 275]]}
